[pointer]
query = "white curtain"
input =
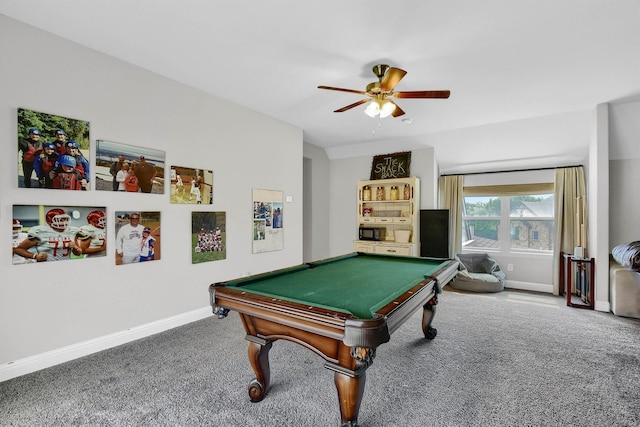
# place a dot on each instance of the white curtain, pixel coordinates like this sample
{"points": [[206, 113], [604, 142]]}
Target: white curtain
{"points": [[570, 216], [450, 192]]}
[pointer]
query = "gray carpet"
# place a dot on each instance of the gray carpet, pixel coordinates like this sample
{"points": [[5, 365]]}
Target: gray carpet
{"points": [[506, 359]]}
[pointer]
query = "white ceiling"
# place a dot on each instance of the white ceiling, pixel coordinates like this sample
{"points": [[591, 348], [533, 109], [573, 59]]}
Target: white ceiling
{"points": [[503, 60]]}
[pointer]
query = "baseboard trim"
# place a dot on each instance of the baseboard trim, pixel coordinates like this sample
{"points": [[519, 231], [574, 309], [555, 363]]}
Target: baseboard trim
{"points": [[538, 287], [65, 354], [528, 286]]}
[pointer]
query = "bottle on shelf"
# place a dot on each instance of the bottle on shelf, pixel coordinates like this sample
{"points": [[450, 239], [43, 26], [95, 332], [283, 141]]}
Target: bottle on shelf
{"points": [[393, 194], [380, 193], [407, 192], [366, 193]]}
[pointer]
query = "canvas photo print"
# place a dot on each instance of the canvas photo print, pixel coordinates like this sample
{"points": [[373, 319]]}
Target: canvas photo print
{"points": [[208, 236], [53, 152], [43, 233], [137, 237], [191, 186], [129, 168]]}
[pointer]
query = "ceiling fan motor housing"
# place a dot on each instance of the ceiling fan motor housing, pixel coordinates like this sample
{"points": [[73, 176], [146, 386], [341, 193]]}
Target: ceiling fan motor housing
{"points": [[380, 70], [373, 88]]}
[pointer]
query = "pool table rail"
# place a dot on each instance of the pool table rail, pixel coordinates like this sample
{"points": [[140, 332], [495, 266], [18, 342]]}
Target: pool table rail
{"points": [[337, 325], [425, 292]]}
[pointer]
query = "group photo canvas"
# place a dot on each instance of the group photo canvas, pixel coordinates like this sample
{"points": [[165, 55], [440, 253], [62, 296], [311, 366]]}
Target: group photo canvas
{"points": [[129, 168], [43, 233], [53, 152]]}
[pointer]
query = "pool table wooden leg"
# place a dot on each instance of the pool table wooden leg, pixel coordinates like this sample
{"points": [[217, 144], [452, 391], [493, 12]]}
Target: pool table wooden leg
{"points": [[350, 391], [428, 312], [259, 358]]}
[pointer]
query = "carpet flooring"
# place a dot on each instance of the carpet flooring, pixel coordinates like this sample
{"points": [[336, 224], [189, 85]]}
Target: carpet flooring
{"points": [[507, 359]]}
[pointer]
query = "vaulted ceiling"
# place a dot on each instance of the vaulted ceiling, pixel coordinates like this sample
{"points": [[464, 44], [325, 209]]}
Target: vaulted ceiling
{"points": [[510, 65]]}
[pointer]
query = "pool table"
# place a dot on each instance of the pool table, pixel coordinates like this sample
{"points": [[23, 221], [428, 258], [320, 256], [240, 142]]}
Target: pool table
{"points": [[341, 308]]}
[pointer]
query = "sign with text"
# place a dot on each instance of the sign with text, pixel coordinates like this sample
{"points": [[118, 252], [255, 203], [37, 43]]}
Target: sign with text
{"points": [[395, 165]]}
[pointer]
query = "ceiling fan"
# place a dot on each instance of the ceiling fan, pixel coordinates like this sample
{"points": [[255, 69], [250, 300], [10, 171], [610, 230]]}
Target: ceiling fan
{"points": [[379, 92]]}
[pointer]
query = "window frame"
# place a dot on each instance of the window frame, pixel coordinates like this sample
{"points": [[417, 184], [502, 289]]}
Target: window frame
{"points": [[505, 192]]}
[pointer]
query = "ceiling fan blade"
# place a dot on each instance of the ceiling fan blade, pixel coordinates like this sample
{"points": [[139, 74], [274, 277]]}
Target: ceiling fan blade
{"points": [[343, 90], [398, 111], [422, 94], [392, 78], [355, 104]]}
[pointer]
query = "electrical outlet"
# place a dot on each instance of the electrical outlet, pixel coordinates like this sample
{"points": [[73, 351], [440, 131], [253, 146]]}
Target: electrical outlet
{"points": [[509, 267]]}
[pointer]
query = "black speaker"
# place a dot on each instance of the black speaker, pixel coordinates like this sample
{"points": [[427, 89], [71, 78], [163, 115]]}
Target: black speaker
{"points": [[434, 233]]}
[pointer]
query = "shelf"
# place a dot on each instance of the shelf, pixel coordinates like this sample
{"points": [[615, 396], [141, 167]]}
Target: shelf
{"points": [[387, 219], [577, 302], [395, 214], [385, 247], [388, 201]]}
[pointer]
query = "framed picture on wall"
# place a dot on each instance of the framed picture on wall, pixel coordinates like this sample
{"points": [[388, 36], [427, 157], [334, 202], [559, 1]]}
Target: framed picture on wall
{"points": [[43, 233], [53, 151], [191, 185], [208, 236], [268, 220], [137, 237], [129, 168]]}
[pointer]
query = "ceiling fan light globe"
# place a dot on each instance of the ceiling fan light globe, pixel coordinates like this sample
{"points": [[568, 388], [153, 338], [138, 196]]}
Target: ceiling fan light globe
{"points": [[387, 109], [373, 109]]}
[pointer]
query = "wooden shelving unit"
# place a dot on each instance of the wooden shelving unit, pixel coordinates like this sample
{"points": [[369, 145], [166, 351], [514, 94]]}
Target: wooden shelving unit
{"points": [[396, 209], [579, 273]]}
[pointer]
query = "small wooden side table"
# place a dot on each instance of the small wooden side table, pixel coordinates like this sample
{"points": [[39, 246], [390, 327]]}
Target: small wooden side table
{"points": [[581, 272]]}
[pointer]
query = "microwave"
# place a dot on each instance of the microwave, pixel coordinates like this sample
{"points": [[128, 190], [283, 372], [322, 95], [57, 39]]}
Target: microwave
{"points": [[371, 233]]}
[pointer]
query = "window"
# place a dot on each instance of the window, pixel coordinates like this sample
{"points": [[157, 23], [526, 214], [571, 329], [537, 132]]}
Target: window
{"points": [[508, 222], [481, 219]]}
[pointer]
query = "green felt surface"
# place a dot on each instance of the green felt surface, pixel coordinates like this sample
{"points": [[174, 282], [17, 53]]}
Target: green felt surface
{"points": [[357, 284]]}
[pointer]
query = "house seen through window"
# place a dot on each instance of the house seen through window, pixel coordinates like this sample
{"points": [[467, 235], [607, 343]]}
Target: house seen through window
{"points": [[508, 223]]}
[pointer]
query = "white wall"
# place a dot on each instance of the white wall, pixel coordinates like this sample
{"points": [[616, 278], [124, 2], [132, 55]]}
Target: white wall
{"points": [[598, 205], [47, 307], [316, 203], [343, 187], [624, 173], [624, 204]]}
